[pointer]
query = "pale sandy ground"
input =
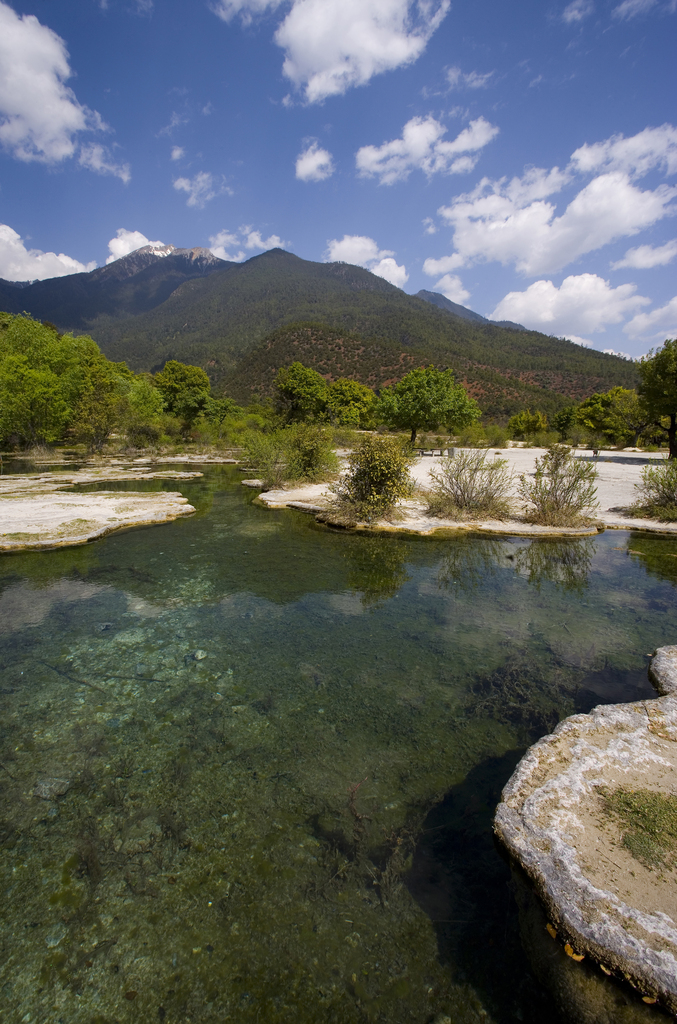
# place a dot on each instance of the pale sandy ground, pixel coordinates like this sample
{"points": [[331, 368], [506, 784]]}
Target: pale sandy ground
{"points": [[619, 472], [36, 513]]}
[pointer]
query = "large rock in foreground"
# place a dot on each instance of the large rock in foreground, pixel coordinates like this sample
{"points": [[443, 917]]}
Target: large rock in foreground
{"points": [[555, 820]]}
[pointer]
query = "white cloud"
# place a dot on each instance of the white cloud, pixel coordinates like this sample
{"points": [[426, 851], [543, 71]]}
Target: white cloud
{"points": [[636, 156], [583, 342], [97, 158], [17, 263], [451, 286], [332, 45], [200, 188], [646, 256], [421, 147], [583, 304], [364, 252], [613, 352], [245, 237], [631, 8], [430, 226], [433, 267], [40, 115], [128, 241], [177, 152], [659, 323], [472, 80], [314, 164], [511, 222], [577, 11]]}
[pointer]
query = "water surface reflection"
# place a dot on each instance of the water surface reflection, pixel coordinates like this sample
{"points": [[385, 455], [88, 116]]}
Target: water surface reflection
{"points": [[221, 738]]}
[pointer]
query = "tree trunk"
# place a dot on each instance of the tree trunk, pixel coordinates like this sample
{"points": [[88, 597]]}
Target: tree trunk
{"points": [[672, 436], [413, 435]]}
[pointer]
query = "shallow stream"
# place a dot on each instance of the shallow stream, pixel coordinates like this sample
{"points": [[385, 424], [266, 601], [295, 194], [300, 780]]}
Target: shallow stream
{"points": [[248, 765]]}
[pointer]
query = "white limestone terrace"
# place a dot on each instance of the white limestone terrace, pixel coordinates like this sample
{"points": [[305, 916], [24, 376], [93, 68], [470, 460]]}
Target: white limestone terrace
{"points": [[40, 511], [619, 473], [603, 903]]}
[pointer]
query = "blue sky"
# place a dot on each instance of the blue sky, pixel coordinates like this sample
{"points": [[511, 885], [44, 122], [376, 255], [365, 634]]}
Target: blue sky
{"points": [[521, 158]]}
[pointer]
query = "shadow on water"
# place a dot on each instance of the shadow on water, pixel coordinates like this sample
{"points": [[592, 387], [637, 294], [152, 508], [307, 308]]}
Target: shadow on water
{"points": [[463, 884]]}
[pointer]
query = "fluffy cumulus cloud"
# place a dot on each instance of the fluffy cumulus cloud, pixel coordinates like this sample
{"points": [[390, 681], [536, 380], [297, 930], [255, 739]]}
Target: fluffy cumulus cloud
{"points": [[128, 241], [364, 252], [575, 12], [516, 222], [452, 286], [583, 304], [233, 245], [17, 263], [200, 188], [314, 164], [659, 324], [178, 152], [40, 116], [332, 45], [643, 257], [422, 147]]}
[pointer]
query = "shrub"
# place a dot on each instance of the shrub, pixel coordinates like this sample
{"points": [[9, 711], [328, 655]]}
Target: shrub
{"points": [[470, 485], [473, 436], [563, 491], [542, 439], [657, 498], [310, 453], [377, 478], [302, 452]]}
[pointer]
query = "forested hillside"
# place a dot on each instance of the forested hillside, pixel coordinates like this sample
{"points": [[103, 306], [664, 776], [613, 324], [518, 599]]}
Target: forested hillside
{"points": [[378, 362], [192, 307]]}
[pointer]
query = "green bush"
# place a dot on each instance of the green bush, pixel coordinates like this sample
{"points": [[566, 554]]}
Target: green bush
{"points": [[657, 493], [563, 491], [474, 436], [310, 453], [542, 439], [298, 452], [267, 455], [470, 485], [378, 478]]}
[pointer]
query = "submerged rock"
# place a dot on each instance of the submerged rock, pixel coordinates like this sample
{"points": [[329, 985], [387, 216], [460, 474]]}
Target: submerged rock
{"points": [[608, 899], [50, 789]]}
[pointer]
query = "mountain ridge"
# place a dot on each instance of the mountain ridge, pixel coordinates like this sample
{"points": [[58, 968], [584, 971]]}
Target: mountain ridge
{"points": [[189, 305]]}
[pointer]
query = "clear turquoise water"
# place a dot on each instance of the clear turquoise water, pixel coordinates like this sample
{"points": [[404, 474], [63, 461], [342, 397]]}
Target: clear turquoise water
{"points": [[257, 719]]}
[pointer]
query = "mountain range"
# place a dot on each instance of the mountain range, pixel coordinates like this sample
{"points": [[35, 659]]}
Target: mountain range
{"points": [[241, 321]]}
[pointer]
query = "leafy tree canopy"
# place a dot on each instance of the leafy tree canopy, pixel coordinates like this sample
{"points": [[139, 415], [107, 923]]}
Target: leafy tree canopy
{"points": [[527, 422], [658, 389], [301, 392], [350, 403], [184, 389], [619, 415], [426, 398]]}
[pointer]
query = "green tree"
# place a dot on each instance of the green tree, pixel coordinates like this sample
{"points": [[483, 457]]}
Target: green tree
{"points": [[301, 392], [184, 389], [619, 415], [424, 399], [33, 406], [527, 422], [658, 390], [218, 410], [349, 403], [565, 420], [43, 375], [102, 401]]}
